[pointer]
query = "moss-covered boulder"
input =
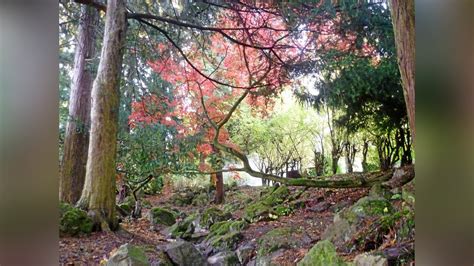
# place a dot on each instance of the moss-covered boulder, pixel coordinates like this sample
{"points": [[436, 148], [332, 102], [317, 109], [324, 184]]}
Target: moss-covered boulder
{"points": [[184, 228], [162, 216], [281, 238], [74, 221], [351, 222], [213, 215], [226, 234], [264, 207], [128, 255], [322, 254]]}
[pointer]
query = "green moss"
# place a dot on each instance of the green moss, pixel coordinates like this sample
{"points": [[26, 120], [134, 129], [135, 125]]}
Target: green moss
{"points": [[213, 215], [263, 207], [162, 216], [138, 254], [227, 241], [322, 254], [74, 221], [183, 229], [126, 207], [368, 206], [225, 235], [282, 210]]}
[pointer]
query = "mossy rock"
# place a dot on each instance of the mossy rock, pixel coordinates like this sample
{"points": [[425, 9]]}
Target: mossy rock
{"points": [[322, 254], [263, 208], [74, 221], [368, 206], [185, 228], [128, 255], [351, 222], [213, 215], [225, 235], [279, 238], [162, 216]]}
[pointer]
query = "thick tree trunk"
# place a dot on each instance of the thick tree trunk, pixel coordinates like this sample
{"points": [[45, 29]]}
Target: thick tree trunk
{"points": [[76, 143], [219, 199], [98, 195], [403, 19]]}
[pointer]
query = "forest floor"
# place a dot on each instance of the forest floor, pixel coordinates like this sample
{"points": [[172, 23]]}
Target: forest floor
{"points": [[320, 205]]}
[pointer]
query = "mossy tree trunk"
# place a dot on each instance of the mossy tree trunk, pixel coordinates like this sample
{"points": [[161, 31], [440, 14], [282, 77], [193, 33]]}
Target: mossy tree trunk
{"points": [[98, 195], [403, 19], [76, 143]]}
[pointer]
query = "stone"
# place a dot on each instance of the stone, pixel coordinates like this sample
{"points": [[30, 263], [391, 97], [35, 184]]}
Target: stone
{"points": [[128, 255], [350, 221], [268, 260], [366, 259], [226, 258], [264, 207], [322, 254], [213, 215], [225, 235], [279, 238], [162, 259], [185, 228], [162, 216], [245, 253], [74, 221], [184, 253]]}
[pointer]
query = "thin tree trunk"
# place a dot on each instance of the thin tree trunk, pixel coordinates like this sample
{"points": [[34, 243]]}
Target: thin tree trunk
{"points": [[365, 150], [98, 195], [219, 189], [73, 166], [403, 19]]}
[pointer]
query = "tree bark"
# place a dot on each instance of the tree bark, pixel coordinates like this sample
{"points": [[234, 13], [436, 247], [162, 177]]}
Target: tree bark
{"points": [[403, 20], [73, 166], [98, 195], [219, 199]]}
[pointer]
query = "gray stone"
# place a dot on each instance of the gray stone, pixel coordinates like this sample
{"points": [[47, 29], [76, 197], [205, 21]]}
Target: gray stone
{"points": [[245, 253], [184, 253], [366, 259], [226, 258], [128, 255]]}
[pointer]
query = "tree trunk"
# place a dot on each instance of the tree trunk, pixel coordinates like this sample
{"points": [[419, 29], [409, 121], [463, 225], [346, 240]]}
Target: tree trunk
{"points": [[76, 143], [219, 189], [98, 195], [403, 19], [365, 150], [335, 159]]}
